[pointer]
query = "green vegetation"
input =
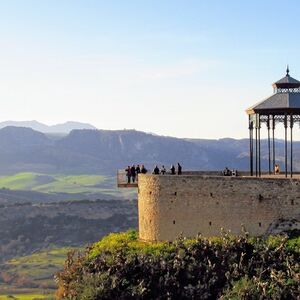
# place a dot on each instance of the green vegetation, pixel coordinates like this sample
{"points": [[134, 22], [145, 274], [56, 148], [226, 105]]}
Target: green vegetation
{"points": [[121, 267], [38, 266], [26, 297], [20, 181], [128, 242], [54, 183], [32, 276], [65, 183], [72, 184]]}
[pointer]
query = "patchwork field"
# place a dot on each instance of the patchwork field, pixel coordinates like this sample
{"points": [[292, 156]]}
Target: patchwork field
{"points": [[34, 272], [26, 297], [38, 266], [60, 183], [56, 183], [39, 211]]}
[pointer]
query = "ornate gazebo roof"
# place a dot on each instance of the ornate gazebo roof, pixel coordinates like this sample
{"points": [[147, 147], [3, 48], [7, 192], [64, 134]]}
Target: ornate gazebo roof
{"points": [[286, 98], [287, 82]]}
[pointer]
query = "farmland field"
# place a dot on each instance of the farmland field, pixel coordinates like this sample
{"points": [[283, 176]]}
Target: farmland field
{"points": [[36, 271], [66, 183], [26, 297], [50, 211], [41, 265], [56, 183]]}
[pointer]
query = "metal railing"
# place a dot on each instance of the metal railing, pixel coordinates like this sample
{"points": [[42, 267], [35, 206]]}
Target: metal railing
{"points": [[122, 180]]}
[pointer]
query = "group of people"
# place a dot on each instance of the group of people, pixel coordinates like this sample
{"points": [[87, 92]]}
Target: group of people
{"points": [[227, 172], [163, 170], [133, 172]]}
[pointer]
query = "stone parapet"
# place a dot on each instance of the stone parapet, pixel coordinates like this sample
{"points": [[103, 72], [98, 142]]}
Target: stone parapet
{"points": [[170, 205]]}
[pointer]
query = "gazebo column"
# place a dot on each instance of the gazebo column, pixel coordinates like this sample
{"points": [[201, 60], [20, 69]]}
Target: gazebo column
{"points": [[269, 143], [251, 144], [256, 148], [291, 126], [285, 144], [273, 142], [284, 107], [259, 161]]}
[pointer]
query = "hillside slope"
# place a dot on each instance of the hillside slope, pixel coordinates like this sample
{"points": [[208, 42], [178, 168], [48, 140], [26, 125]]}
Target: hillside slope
{"points": [[105, 151], [29, 227]]}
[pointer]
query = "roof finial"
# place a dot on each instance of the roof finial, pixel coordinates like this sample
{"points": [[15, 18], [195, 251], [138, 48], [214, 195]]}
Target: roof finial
{"points": [[287, 70]]}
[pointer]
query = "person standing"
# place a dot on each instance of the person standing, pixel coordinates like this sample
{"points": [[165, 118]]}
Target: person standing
{"points": [[128, 174], [132, 173], [179, 169], [172, 170], [137, 172], [163, 170]]}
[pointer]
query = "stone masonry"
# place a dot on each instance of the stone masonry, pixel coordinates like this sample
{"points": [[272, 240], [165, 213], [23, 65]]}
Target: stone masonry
{"points": [[191, 204]]}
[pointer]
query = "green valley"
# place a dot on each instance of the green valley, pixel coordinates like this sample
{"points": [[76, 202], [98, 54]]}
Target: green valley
{"points": [[67, 184], [31, 276], [56, 183]]}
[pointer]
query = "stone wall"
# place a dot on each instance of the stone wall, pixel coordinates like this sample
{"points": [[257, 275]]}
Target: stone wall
{"points": [[186, 204]]}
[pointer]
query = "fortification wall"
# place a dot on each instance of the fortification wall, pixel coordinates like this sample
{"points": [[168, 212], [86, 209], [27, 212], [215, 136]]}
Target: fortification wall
{"points": [[170, 205]]}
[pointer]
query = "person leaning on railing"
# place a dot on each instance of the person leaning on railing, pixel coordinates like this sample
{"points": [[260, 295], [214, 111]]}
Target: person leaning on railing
{"points": [[156, 170], [143, 170]]}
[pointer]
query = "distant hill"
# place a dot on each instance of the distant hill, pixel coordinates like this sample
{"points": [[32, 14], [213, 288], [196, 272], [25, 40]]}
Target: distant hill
{"points": [[65, 128], [105, 151]]}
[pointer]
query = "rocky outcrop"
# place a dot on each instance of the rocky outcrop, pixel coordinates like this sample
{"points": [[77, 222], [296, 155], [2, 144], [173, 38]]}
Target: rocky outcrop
{"points": [[289, 226]]}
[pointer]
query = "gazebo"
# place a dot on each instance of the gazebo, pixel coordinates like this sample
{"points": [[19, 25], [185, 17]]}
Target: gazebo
{"points": [[282, 107]]}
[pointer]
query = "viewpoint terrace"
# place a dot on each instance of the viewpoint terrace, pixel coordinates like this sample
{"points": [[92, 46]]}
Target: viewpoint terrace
{"points": [[257, 201]]}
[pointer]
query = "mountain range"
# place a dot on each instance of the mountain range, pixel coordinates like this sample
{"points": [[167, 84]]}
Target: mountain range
{"points": [[63, 128], [88, 151]]}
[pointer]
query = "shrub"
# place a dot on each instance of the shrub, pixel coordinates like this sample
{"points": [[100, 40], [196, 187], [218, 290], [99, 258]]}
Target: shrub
{"points": [[121, 267], [127, 242]]}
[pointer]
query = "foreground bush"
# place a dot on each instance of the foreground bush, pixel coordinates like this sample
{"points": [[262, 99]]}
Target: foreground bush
{"points": [[121, 267]]}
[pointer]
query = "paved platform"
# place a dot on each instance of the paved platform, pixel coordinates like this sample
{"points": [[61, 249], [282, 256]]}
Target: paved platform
{"points": [[128, 185], [277, 176]]}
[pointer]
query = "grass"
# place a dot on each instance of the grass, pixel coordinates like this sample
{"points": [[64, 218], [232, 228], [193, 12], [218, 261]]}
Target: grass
{"points": [[20, 181], [72, 184], [39, 268], [40, 265], [58, 183], [66, 183]]}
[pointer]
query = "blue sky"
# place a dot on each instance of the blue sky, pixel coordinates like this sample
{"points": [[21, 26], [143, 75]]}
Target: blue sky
{"points": [[179, 68]]}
